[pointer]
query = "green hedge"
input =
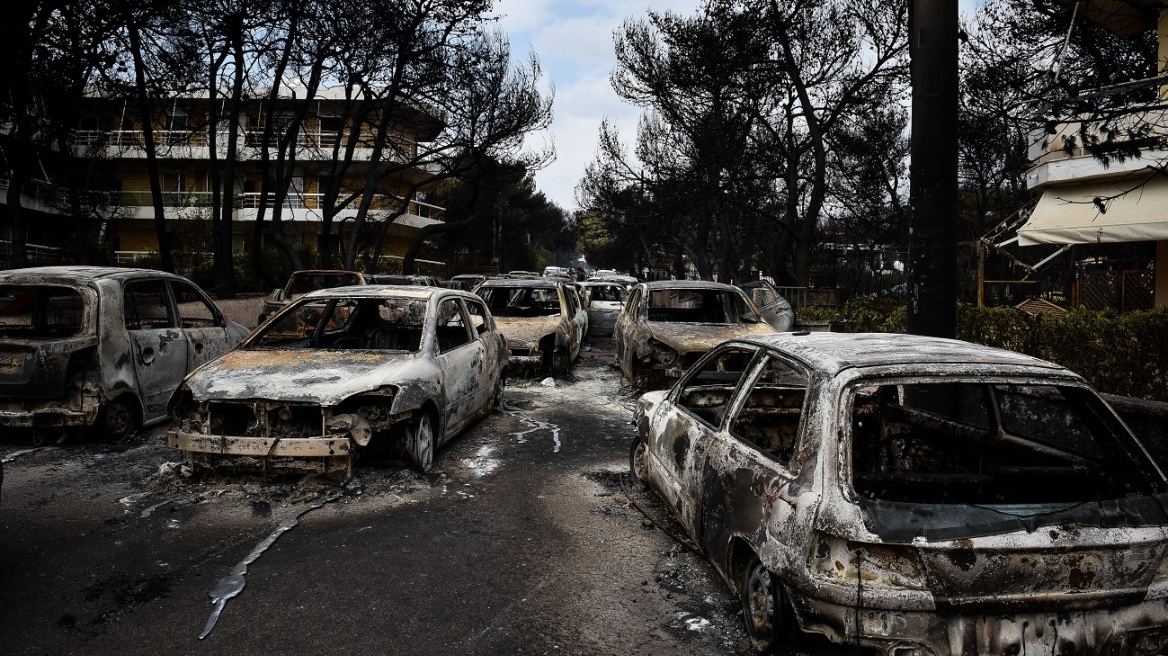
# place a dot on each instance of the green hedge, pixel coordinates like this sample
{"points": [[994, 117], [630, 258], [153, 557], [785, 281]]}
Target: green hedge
{"points": [[1125, 354]]}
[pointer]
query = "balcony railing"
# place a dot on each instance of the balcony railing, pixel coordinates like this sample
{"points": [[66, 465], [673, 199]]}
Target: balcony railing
{"points": [[251, 200]]}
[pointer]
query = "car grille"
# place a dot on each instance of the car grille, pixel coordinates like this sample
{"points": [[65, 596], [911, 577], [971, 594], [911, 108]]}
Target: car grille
{"points": [[265, 419]]}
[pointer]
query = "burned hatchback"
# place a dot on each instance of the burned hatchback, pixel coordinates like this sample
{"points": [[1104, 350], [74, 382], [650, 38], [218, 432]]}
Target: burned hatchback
{"points": [[100, 347], [913, 495], [389, 368]]}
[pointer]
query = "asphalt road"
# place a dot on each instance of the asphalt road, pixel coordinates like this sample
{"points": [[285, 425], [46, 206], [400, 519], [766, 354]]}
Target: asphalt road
{"points": [[520, 542]]}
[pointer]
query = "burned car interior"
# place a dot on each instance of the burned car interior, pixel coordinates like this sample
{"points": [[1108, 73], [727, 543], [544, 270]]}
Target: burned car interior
{"points": [[40, 312], [694, 306], [524, 302], [993, 450], [770, 414], [377, 324]]}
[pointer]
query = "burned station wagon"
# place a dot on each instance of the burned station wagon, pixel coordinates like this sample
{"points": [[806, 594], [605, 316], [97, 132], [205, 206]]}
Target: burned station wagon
{"points": [[543, 320], [100, 347], [403, 369], [914, 495]]}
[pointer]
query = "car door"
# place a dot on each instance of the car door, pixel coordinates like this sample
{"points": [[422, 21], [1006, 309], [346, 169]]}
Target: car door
{"points": [[494, 359], [624, 325], [749, 470], [159, 347], [460, 356], [202, 324], [775, 309], [689, 421]]}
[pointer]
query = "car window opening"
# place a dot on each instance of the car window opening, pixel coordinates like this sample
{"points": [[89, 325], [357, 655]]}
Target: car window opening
{"points": [[348, 324], [771, 414], [524, 302], [693, 306], [40, 312], [995, 444]]}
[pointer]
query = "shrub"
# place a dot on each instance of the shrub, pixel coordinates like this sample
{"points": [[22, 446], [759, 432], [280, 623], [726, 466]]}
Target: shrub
{"points": [[1124, 354]]}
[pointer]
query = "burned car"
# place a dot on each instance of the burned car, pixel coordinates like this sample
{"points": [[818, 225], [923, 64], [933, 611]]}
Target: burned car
{"points": [[914, 495], [393, 369], [542, 319], [100, 347], [667, 325], [604, 302], [401, 279], [302, 282]]}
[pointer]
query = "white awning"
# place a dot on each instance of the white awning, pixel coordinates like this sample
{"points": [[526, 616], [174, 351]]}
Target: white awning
{"points": [[1068, 214]]}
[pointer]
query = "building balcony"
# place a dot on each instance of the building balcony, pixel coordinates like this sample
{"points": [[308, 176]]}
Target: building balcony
{"points": [[1129, 137], [296, 207], [195, 145]]}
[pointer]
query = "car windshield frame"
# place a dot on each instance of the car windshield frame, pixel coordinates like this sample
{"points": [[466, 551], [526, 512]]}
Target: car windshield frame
{"points": [[401, 324]]}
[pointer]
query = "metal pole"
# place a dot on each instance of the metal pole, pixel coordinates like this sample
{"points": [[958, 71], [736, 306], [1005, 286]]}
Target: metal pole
{"points": [[932, 289]]}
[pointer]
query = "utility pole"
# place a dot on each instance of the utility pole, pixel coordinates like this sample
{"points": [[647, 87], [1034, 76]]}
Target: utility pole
{"points": [[932, 247]]}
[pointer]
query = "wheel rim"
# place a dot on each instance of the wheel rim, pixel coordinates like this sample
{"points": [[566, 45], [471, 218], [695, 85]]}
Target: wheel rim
{"points": [[118, 421], [759, 605], [424, 444], [499, 394], [640, 466]]}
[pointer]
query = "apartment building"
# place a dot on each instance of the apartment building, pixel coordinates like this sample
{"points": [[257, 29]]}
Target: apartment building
{"points": [[336, 140]]}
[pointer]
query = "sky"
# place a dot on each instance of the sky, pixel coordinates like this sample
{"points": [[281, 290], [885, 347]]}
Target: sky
{"points": [[573, 40]]}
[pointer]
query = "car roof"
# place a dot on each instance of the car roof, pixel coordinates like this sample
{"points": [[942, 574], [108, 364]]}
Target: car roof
{"points": [[834, 352], [78, 274], [417, 292], [521, 282], [689, 284]]}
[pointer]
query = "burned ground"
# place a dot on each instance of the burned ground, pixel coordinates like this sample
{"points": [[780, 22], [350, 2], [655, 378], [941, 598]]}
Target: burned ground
{"points": [[520, 541]]}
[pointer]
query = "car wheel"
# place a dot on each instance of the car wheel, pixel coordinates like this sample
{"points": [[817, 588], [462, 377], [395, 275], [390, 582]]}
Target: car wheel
{"points": [[639, 462], [561, 362], [421, 443], [763, 606], [497, 402], [117, 421]]}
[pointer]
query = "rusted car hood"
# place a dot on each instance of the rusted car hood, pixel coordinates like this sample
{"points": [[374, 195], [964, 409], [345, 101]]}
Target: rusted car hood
{"points": [[527, 329], [688, 337], [315, 376]]}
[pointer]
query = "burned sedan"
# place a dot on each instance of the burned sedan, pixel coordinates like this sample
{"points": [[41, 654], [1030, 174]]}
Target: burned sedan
{"points": [[543, 320], [100, 347], [914, 495], [398, 369], [667, 325]]}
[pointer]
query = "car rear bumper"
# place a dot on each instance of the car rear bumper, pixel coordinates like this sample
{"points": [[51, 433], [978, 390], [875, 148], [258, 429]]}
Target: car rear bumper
{"points": [[1136, 628]]}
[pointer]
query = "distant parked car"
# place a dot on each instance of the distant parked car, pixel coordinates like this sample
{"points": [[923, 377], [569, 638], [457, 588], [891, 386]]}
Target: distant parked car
{"points": [[604, 302], [912, 495], [772, 307], [302, 282], [471, 279], [667, 325], [341, 370], [400, 279], [543, 320], [101, 347]]}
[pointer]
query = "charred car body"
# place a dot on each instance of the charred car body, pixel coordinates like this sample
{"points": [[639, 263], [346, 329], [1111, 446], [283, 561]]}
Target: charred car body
{"points": [[404, 368], [914, 495], [101, 347], [604, 302], [667, 325], [543, 321], [302, 282]]}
